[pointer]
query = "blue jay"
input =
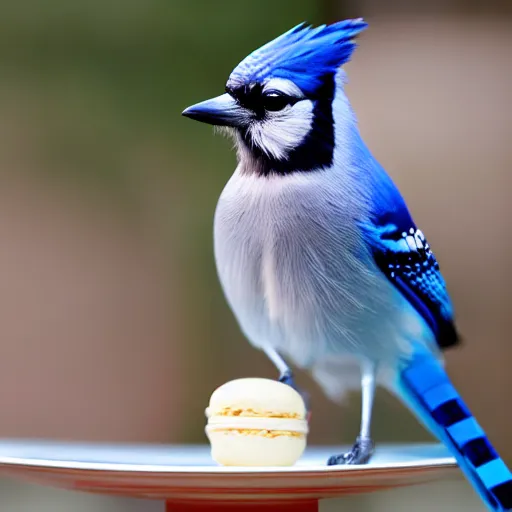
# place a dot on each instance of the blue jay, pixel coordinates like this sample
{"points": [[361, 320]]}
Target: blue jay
{"points": [[319, 257]]}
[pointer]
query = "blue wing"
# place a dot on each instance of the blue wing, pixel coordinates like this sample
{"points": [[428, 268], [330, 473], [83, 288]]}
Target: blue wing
{"points": [[403, 254]]}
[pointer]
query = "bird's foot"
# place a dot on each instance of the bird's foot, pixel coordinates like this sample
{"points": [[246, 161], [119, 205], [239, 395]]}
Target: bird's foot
{"points": [[288, 379], [360, 453]]}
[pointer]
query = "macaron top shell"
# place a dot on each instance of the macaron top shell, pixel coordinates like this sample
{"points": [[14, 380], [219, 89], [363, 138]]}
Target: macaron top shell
{"points": [[256, 397]]}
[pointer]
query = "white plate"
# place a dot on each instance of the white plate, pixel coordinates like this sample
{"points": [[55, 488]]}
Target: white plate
{"points": [[187, 473]]}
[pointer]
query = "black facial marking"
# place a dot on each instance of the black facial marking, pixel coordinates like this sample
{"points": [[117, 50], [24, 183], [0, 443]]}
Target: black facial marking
{"points": [[252, 97], [315, 152], [249, 96]]}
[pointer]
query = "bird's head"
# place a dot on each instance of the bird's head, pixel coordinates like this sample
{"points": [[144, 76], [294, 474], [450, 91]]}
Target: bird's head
{"points": [[279, 100]]}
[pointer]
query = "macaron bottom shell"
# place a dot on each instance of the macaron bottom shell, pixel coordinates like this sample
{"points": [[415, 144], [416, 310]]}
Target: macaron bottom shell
{"points": [[242, 448]]}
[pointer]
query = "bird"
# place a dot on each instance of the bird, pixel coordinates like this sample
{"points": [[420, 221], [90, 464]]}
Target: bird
{"points": [[319, 257]]}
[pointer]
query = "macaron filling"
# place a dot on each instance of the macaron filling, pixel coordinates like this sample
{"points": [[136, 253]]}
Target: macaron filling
{"points": [[251, 413], [289, 425]]}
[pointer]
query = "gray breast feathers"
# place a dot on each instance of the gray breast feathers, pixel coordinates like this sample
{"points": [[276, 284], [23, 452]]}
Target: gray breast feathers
{"points": [[296, 272]]}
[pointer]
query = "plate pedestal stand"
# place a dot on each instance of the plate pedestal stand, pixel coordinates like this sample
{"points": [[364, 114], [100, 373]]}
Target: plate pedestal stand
{"points": [[245, 506]]}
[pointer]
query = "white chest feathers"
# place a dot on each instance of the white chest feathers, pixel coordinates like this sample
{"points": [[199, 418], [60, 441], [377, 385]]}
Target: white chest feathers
{"points": [[291, 262]]}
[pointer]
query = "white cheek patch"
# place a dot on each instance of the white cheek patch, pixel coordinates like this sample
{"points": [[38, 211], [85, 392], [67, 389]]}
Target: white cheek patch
{"points": [[283, 131]]}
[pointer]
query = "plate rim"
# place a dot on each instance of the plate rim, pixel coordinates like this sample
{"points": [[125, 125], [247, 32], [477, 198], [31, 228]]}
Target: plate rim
{"points": [[12, 462]]}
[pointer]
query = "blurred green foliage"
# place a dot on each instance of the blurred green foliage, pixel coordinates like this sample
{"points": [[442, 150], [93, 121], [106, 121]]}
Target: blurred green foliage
{"points": [[118, 71]]}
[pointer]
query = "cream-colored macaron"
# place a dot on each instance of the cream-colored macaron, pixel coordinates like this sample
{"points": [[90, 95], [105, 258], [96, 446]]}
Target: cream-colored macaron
{"points": [[256, 422]]}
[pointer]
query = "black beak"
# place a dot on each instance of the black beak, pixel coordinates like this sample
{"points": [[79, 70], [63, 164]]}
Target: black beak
{"points": [[220, 111]]}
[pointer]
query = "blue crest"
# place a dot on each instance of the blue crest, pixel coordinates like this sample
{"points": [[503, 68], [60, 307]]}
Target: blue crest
{"points": [[303, 54]]}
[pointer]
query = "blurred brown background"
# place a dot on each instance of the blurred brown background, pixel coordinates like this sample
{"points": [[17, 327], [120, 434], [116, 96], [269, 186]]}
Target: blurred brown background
{"points": [[112, 321]]}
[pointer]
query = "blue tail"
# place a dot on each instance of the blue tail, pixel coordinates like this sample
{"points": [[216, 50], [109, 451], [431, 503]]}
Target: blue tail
{"points": [[426, 388]]}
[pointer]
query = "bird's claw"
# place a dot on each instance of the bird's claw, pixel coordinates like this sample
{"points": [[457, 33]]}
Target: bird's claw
{"points": [[287, 378], [360, 453]]}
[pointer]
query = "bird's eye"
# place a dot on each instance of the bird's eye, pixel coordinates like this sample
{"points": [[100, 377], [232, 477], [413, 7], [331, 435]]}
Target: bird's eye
{"points": [[274, 101]]}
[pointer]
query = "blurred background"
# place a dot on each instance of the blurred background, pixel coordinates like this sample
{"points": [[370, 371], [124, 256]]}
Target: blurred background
{"points": [[112, 320]]}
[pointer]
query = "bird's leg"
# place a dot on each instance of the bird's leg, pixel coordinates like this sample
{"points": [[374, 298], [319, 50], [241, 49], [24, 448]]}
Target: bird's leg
{"points": [[362, 450], [285, 373]]}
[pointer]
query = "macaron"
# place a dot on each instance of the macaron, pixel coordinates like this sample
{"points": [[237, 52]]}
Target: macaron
{"points": [[256, 422]]}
